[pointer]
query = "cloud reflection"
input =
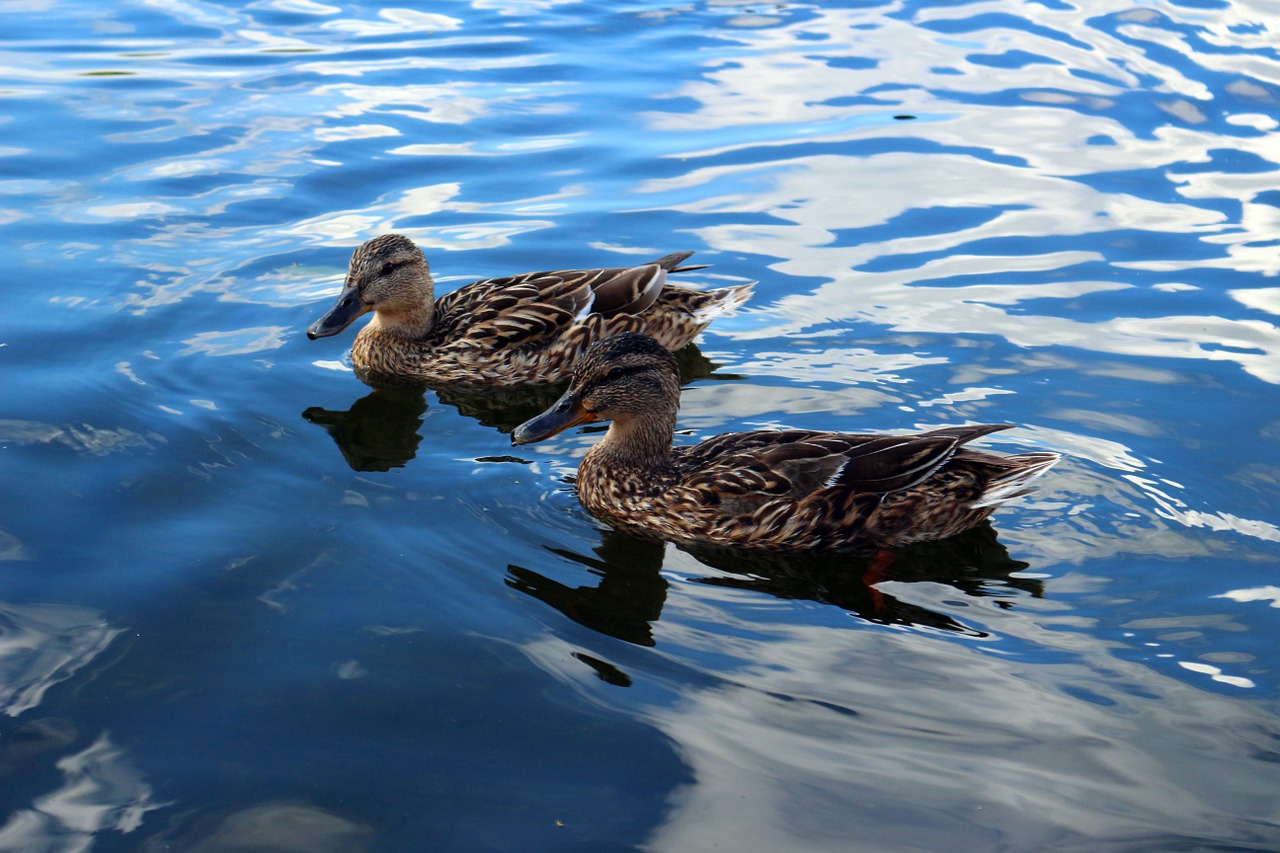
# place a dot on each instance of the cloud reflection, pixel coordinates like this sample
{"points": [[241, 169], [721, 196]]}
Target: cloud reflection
{"points": [[809, 203], [44, 644], [236, 342], [794, 730], [81, 438], [269, 827], [1065, 757], [101, 792], [1029, 175], [396, 22]]}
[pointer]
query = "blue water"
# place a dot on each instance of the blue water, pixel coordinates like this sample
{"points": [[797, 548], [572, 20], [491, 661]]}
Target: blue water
{"points": [[225, 625]]}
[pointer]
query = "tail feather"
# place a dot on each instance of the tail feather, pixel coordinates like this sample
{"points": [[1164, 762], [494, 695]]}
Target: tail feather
{"points": [[1025, 467], [722, 301], [963, 434], [671, 262]]}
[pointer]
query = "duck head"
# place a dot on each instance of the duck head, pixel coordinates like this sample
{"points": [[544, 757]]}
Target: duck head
{"points": [[625, 378], [390, 276]]}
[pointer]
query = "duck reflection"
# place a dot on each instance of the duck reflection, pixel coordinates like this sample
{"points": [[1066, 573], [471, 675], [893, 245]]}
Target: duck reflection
{"points": [[630, 593], [973, 562], [381, 430], [628, 598], [504, 409]]}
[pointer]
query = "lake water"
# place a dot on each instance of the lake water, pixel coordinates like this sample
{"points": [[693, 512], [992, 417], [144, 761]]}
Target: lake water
{"points": [[247, 603]]}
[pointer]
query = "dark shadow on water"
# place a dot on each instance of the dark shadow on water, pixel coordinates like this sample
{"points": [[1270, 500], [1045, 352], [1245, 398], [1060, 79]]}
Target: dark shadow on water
{"points": [[625, 602], [974, 562], [504, 409], [381, 430], [628, 598]]}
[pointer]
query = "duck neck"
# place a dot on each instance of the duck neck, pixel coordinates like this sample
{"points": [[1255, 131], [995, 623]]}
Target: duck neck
{"points": [[408, 322], [640, 442]]}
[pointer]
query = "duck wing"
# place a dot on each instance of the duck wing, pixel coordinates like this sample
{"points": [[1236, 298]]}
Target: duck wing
{"points": [[739, 469], [507, 313], [891, 463], [532, 308], [631, 290]]}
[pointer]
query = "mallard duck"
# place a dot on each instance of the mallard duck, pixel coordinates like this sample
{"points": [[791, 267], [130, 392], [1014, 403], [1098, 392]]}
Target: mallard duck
{"points": [[787, 489], [519, 330]]}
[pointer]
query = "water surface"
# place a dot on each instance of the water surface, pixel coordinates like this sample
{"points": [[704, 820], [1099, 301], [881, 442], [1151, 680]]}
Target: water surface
{"points": [[249, 602]]}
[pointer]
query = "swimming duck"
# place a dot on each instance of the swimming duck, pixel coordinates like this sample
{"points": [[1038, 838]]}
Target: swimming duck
{"points": [[787, 489], [522, 329]]}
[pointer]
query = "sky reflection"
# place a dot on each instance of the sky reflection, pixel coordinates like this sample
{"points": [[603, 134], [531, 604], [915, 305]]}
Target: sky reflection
{"points": [[102, 792], [827, 216], [42, 645], [1054, 214], [769, 722]]}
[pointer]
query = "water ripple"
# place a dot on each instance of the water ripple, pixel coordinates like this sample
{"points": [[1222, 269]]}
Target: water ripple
{"points": [[1060, 215]]}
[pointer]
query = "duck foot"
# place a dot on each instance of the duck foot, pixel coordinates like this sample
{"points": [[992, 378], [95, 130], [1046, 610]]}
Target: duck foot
{"points": [[876, 572]]}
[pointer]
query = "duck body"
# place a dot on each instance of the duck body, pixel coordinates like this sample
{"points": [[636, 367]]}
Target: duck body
{"points": [[524, 329], [811, 490], [781, 490]]}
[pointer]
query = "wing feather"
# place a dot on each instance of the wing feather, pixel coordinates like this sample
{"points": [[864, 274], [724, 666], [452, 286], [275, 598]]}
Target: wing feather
{"points": [[892, 463], [834, 473], [532, 309], [630, 291]]}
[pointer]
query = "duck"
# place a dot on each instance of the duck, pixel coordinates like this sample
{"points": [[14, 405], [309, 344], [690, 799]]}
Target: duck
{"points": [[784, 490], [525, 329]]}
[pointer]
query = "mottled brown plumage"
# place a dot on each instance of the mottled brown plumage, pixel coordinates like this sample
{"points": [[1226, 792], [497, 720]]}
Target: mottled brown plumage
{"points": [[788, 489], [519, 330]]}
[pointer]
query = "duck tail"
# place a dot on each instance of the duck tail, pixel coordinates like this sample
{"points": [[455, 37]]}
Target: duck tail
{"points": [[671, 263], [723, 300], [1015, 481]]}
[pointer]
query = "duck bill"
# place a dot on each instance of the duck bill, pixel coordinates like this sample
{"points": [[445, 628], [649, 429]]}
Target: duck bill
{"points": [[343, 313], [564, 413]]}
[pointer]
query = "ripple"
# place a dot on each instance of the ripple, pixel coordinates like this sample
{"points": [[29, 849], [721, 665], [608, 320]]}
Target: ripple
{"points": [[44, 644], [1058, 215], [102, 792]]}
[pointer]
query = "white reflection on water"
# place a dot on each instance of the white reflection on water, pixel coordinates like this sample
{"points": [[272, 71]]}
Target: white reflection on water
{"points": [[1261, 593], [808, 738], [211, 146], [1084, 66], [815, 196], [402, 212], [457, 103], [102, 792], [812, 195], [272, 827], [303, 7], [44, 644], [1033, 176], [266, 828], [396, 22], [1263, 298], [236, 342], [1174, 509], [82, 438], [11, 548]]}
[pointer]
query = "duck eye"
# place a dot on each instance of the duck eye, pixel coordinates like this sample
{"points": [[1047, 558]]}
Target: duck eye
{"points": [[616, 372]]}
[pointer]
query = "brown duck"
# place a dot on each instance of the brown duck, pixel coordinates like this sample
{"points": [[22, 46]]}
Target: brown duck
{"points": [[519, 330], [789, 489]]}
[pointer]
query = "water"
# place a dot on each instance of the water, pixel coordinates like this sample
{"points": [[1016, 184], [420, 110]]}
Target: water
{"points": [[248, 603]]}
